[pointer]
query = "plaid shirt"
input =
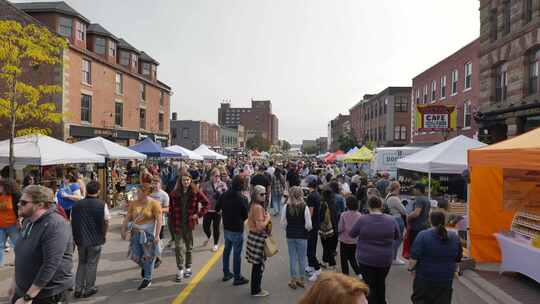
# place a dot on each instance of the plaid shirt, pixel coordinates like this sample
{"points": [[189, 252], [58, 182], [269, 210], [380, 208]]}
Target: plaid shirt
{"points": [[278, 185], [175, 210]]}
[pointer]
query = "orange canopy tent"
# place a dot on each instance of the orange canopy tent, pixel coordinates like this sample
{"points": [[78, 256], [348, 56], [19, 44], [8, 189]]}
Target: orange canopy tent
{"points": [[333, 156], [487, 213]]}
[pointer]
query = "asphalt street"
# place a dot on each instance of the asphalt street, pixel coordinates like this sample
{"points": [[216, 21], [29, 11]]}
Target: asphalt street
{"points": [[118, 278]]}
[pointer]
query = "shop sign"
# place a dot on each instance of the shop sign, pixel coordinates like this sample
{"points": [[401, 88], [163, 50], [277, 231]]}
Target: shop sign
{"points": [[435, 118], [80, 131]]}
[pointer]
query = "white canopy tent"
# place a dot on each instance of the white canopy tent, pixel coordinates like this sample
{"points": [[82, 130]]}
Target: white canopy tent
{"points": [[186, 153], [109, 149], [206, 153], [42, 150], [449, 157]]}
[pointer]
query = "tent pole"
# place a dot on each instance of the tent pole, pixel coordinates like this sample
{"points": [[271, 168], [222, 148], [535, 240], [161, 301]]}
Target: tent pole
{"points": [[429, 185]]}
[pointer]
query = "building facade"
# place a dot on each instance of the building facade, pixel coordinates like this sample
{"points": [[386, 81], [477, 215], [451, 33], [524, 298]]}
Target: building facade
{"points": [[322, 144], [454, 81], [228, 138], [357, 118], [509, 68], [109, 88], [385, 118], [257, 120], [191, 134], [338, 126]]}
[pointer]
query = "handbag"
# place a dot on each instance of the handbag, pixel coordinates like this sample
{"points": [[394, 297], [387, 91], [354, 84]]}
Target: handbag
{"points": [[270, 247]]}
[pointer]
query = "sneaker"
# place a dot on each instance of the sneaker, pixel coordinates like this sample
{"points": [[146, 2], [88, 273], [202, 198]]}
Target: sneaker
{"points": [[227, 277], [179, 275], [157, 263], [262, 293], [310, 270], [215, 248], [241, 281], [315, 275], [361, 277], [398, 261], [144, 284], [188, 273], [93, 291]]}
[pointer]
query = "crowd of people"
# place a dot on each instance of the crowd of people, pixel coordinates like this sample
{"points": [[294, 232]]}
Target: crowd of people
{"points": [[249, 201]]}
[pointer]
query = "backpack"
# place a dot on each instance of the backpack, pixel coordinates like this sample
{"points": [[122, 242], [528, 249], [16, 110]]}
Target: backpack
{"points": [[326, 230], [386, 209]]}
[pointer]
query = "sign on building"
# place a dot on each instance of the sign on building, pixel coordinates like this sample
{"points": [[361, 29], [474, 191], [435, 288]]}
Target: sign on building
{"points": [[435, 118]]}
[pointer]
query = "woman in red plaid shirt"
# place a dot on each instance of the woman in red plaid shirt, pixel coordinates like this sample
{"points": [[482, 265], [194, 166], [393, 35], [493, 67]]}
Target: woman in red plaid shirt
{"points": [[187, 205]]}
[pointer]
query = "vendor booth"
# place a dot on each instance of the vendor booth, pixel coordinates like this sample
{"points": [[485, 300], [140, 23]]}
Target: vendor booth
{"points": [[350, 152], [361, 155], [385, 158], [186, 153], [208, 154], [505, 204], [333, 156], [153, 150]]}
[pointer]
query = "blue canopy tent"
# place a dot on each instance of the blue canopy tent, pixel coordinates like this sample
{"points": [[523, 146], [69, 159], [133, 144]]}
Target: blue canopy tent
{"points": [[151, 149]]}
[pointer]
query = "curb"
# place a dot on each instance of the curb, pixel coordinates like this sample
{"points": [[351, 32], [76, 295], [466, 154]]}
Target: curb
{"points": [[488, 292]]}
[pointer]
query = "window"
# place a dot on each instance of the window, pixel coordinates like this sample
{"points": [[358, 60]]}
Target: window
{"points": [[403, 133], [112, 48], [160, 121], [400, 133], [86, 71], [468, 75], [86, 108], [119, 83], [100, 45], [455, 78], [493, 25], [528, 10], [533, 71], [161, 98], [507, 11], [467, 114], [400, 104], [425, 93], [119, 114], [80, 30], [417, 96], [142, 118], [154, 71], [501, 82], [124, 58], [65, 27], [443, 87], [433, 90], [134, 61], [185, 132], [145, 68], [142, 90]]}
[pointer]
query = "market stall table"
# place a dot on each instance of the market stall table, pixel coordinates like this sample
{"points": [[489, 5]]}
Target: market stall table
{"points": [[519, 257]]}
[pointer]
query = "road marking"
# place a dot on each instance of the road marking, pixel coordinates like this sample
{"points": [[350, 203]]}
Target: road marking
{"points": [[198, 278]]}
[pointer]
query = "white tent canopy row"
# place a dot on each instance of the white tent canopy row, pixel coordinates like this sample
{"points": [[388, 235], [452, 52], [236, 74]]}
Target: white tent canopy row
{"points": [[109, 149], [206, 153], [42, 150], [186, 153]]}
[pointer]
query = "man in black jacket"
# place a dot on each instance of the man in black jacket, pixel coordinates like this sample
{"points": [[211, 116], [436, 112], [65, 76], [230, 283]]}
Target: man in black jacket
{"points": [[89, 222], [235, 211]]}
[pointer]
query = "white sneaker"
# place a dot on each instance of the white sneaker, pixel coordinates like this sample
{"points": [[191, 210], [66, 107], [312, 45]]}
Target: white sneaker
{"points": [[398, 261], [360, 277], [315, 275], [179, 275], [215, 248], [310, 270]]}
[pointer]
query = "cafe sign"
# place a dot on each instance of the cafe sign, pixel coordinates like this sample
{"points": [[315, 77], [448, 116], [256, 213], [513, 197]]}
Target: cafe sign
{"points": [[433, 118]]}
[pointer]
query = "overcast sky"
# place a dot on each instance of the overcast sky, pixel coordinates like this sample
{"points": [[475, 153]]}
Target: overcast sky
{"points": [[312, 58]]}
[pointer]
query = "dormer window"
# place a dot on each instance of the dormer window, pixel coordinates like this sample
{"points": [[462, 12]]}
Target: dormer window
{"points": [[112, 48], [124, 58], [134, 60], [154, 71], [65, 27], [100, 45], [145, 68], [80, 31]]}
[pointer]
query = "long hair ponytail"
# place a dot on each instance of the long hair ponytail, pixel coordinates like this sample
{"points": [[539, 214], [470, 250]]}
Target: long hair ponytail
{"points": [[438, 221]]}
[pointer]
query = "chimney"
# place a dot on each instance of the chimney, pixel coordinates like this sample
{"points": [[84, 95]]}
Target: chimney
{"points": [[174, 116]]}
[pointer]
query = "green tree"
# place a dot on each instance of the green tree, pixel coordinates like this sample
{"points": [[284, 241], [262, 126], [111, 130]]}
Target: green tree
{"points": [[23, 49], [258, 142], [346, 141], [310, 150], [285, 145]]}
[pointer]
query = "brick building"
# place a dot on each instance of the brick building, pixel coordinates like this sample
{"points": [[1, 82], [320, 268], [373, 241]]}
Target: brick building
{"points": [[109, 88], [191, 134], [385, 118], [336, 127], [228, 138], [454, 81], [357, 117], [509, 68], [257, 120]]}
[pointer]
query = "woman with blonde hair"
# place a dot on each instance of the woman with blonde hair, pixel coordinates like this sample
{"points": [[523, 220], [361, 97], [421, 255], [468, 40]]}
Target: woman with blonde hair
{"points": [[333, 287], [296, 220]]}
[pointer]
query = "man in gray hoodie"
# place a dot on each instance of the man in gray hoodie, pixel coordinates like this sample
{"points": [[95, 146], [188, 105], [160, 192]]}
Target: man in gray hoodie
{"points": [[43, 256]]}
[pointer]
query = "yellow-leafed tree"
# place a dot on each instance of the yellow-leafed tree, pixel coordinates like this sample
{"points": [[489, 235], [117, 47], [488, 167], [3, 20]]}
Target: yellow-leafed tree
{"points": [[23, 49]]}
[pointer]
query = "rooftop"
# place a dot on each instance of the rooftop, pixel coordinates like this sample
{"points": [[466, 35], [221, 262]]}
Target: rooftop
{"points": [[96, 28], [57, 6]]}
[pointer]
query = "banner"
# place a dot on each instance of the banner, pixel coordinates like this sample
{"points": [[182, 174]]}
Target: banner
{"points": [[435, 118]]}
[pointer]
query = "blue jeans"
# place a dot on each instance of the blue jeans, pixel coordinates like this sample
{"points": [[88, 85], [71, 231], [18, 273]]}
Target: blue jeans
{"points": [[13, 234], [276, 202], [397, 243], [297, 257], [146, 257], [233, 241]]}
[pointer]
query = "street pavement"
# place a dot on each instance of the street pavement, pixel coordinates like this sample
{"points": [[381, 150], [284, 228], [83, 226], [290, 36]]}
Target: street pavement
{"points": [[118, 278]]}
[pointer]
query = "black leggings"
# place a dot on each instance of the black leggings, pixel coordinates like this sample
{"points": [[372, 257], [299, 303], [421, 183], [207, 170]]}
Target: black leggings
{"points": [[348, 255], [212, 219], [329, 250], [375, 278]]}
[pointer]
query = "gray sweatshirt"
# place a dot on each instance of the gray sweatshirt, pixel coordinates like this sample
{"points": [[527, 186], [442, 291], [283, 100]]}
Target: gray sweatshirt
{"points": [[43, 255]]}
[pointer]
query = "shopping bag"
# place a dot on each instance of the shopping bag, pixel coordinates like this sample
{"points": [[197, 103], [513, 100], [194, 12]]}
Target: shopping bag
{"points": [[407, 245], [270, 247]]}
